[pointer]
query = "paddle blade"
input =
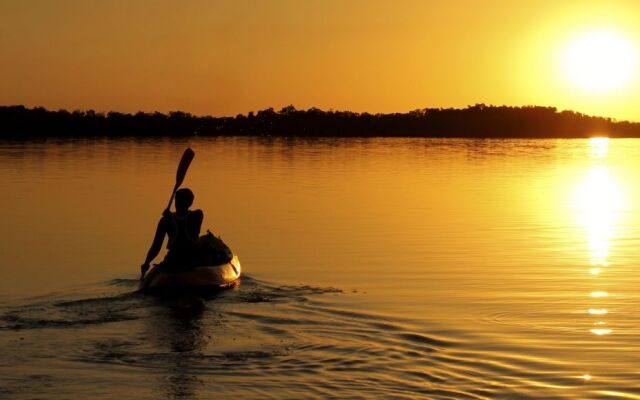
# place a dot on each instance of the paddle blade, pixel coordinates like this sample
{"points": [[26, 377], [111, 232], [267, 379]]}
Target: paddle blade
{"points": [[187, 157]]}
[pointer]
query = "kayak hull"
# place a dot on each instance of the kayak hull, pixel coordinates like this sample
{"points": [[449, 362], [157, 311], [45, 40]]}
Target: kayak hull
{"points": [[209, 277]]}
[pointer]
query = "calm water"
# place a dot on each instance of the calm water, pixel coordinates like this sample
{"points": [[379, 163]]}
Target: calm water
{"points": [[386, 268]]}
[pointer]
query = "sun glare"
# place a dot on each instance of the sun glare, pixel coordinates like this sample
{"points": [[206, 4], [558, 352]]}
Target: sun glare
{"points": [[599, 199], [599, 61]]}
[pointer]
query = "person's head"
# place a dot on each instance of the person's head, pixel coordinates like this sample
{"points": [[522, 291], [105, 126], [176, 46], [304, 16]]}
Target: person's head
{"points": [[184, 199]]}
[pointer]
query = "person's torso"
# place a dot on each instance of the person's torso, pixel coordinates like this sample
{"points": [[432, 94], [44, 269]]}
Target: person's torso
{"points": [[182, 231]]}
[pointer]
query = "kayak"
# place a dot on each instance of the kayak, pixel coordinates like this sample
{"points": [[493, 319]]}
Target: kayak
{"points": [[209, 277]]}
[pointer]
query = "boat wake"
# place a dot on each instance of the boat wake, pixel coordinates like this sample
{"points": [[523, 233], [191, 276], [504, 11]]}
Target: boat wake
{"points": [[118, 300], [252, 341]]}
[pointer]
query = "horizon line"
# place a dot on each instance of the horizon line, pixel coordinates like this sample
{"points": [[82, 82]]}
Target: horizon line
{"points": [[468, 106]]}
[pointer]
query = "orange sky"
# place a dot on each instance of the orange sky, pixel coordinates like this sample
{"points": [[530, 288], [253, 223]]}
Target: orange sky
{"points": [[227, 57]]}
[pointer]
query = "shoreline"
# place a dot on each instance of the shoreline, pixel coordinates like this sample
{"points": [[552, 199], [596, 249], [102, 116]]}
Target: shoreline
{"points": [[478, 121]]}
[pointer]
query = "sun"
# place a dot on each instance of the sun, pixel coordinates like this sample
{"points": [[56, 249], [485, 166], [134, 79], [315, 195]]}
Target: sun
{"points": [[599, 61]]}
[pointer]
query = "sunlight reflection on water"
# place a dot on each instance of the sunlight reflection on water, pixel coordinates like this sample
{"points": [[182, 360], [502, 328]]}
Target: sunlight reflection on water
{"points": [[600, 201]]}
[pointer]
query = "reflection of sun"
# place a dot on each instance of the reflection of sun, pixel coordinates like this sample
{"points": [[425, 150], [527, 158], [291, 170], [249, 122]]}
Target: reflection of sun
{"points": [[599, 61], [599, 200], [595, 271], [599, 146]]}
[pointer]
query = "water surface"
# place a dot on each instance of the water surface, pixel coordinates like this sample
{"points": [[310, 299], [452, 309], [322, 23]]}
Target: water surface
{"points": [[377, 268]]}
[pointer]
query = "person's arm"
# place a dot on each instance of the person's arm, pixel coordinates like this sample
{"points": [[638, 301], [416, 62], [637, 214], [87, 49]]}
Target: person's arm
{"points": [[155, 247]]}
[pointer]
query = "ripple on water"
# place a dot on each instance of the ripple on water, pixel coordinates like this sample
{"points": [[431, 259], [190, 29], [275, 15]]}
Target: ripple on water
{"points": [[263, 340]]}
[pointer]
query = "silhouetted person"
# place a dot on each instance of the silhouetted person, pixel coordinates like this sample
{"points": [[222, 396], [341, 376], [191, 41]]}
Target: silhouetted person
{"points": [[183, 229]]}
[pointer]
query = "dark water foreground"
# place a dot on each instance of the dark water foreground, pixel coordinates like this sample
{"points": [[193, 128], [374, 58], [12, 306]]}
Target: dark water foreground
{"points": [[258, 340], [261, 340], [383, 268]]}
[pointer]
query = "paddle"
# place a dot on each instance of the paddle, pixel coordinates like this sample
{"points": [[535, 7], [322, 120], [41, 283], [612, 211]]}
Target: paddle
{"points": [[187, 157]]}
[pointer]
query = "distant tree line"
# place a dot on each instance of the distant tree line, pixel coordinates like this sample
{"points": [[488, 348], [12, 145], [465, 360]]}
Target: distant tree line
{"points": [[477, 121]]}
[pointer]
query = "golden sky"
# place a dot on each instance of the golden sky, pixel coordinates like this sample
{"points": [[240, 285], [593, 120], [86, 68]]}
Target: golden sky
{"points": [[227, 57]]}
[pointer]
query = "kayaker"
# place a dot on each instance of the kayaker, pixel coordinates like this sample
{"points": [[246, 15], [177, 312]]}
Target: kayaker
{"points": [[183, 229]]}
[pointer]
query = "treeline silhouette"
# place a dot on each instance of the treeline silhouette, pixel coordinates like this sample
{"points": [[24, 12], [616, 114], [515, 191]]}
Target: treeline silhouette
{"points": [[477, 121]]}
